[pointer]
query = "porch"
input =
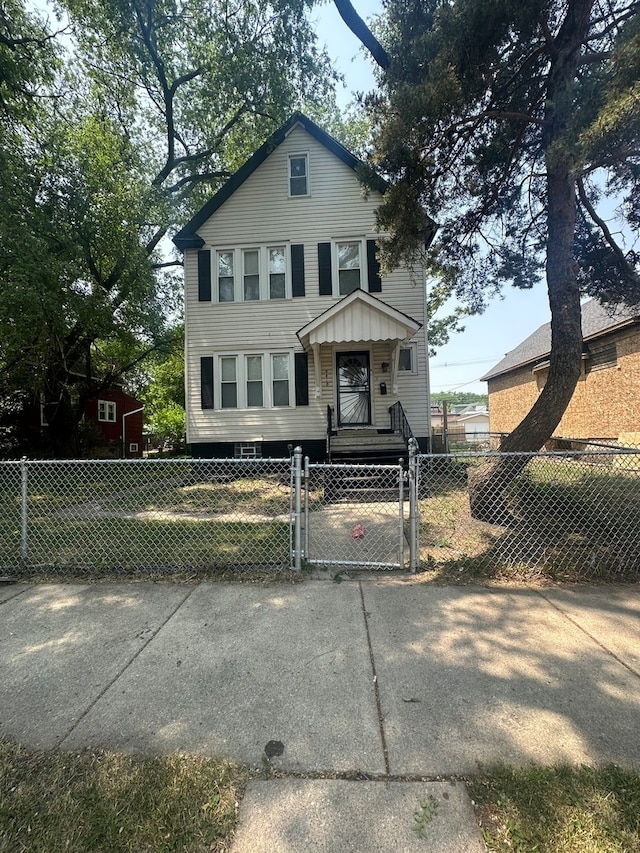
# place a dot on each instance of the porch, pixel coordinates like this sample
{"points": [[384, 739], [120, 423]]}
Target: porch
{"points": [[359, 347]]}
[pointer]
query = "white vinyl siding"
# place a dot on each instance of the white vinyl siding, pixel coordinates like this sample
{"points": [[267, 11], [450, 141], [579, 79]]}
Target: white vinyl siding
{"points": [[261, 214]]}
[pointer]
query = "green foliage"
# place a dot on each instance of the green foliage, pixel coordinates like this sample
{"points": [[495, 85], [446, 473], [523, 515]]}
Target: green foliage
{"points": [[459, 397], [466, 133], [513, 128], [111, 134], [162, 392]]}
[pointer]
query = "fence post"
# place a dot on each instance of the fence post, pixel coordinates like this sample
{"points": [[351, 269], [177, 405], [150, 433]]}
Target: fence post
{"points": [[401, 514], [297, 474], [413, 505], [24, 540], [306, 508]]}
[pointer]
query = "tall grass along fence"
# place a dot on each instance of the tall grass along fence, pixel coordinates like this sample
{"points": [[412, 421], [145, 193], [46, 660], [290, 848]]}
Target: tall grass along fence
{"points": [[565, 516]]}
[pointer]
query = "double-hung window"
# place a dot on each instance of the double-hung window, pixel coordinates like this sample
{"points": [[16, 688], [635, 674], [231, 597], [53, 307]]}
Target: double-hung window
{"points": [[349, 257], [253, 372], [251, 274], [229, 382], [280, 379], [277, 273], [226, 281], [106, 411], [298, 174]]}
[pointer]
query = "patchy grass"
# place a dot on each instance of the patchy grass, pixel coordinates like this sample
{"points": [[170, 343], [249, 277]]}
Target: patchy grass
{"points": [[182, 523], [558, 810], [571, 521], [61, 801]]}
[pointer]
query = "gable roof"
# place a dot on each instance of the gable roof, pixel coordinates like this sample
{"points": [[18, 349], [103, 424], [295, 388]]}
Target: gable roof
{"points": [[188, 238], [359, 316], [597, 320]]}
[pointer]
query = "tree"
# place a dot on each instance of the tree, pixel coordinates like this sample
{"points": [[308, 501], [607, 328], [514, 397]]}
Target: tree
{"points": [[143, 110], [163, 394], [512, 125]]}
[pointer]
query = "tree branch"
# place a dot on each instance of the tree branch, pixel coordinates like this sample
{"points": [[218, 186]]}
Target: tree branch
{"points": [[606, 233], [362, 32], [197, 179]]}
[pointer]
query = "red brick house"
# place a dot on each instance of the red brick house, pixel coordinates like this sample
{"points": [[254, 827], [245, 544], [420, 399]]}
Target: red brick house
{"points": [[116, 417]]}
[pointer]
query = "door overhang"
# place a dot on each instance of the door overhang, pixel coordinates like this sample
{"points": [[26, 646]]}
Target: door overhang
{"points": [[357, 319]]}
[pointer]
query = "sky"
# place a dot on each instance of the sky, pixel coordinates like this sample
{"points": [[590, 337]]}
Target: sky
{"points": [[459, 365]]}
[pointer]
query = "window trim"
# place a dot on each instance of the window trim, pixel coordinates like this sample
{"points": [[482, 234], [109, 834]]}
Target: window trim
{"points": [[297, 155], [335, 263], [413, 370], [241, 358], [110, 406], [264, 282], [234, 261]]}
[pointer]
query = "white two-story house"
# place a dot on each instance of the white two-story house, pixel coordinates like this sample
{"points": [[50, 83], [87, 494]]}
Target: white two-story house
{"points": [[292, 336]]}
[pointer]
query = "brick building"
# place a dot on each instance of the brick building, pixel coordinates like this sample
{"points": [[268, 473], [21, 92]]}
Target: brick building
{"points": [[606, 402]]}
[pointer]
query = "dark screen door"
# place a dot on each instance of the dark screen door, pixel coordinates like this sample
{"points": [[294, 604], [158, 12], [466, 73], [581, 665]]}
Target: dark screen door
{"points": [[354, 388]]}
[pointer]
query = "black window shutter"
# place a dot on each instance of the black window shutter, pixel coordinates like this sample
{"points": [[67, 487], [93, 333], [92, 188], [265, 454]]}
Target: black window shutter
{"points": [[373, 268], [204, 275], [297, 269], [302, 378], [324, 269], [206, 382]]}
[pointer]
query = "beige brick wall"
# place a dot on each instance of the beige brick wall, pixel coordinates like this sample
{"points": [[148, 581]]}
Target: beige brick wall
{"points": [[605, 404]]}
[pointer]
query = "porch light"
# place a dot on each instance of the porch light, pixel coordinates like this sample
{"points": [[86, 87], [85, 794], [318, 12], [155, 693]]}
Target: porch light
{"points": [[385, 366]]}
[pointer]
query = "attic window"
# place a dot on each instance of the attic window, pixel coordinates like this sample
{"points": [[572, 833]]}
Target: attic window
{"points": [[601, 356], [298, 174]]}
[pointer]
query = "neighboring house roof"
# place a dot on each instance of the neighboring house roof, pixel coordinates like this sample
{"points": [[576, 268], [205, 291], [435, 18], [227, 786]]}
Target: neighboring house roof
{"points": [[188, 238], [597, 320], [473, 416]]}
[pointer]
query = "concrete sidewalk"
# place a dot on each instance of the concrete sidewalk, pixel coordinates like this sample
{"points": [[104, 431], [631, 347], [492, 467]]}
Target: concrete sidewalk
{"points": [[379, 682]]}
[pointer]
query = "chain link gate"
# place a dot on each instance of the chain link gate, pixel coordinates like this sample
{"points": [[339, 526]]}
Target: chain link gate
{"points": [[354, 516]]}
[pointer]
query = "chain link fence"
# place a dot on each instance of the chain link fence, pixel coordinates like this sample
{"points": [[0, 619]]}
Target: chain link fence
{"points": [[136, 516], [572, 516], [354, 516], [563, 516]]}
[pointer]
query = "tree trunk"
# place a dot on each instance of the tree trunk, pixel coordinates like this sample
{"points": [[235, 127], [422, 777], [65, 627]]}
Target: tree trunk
{"points": [[488, 483]]}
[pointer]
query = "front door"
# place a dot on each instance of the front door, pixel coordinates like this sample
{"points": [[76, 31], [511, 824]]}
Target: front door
{"points": [[354, 388]]}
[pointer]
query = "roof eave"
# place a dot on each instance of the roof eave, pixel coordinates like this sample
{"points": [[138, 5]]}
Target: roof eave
{"points": [[187, 236], [532, 362]]}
